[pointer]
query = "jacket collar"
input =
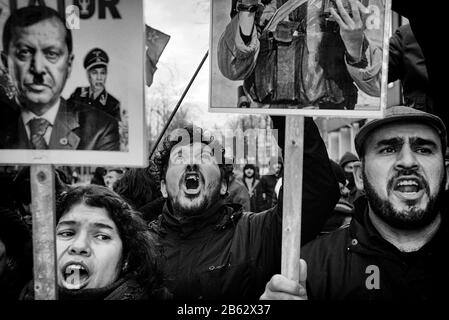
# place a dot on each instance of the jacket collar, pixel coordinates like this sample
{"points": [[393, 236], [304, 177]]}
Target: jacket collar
{"points": [[218, 217], [102, 97], [91, 294], [365, 239]]}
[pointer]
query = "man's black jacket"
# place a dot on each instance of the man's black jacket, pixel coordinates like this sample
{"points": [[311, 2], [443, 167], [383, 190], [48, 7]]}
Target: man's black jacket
{"points": [[356, 263], [226, 253]]}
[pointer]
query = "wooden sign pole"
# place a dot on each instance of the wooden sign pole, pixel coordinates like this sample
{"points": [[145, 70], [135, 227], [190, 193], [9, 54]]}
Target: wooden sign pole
{"points": [[44, 235], [292, 199]]}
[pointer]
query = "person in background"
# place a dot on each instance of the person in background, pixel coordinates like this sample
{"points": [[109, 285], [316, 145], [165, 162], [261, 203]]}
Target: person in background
{"points": [[16, 260], [425, 20], [112, 175], [20, 199], [251, 182], [265, 193], [343, 210], [98, 176], [141, 191], [237, 193], [347, 162], [407, 63]]}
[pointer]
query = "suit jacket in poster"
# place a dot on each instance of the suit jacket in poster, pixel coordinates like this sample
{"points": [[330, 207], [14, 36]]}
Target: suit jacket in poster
{"points": [[104, 102], [77, 127]]}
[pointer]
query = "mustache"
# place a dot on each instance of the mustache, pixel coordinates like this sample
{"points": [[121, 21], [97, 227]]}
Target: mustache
{"points": [[40, 80], [192, 169]]}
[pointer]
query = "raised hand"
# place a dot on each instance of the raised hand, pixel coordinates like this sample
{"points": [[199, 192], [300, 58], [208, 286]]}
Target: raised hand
{"points": [[351, 27]]}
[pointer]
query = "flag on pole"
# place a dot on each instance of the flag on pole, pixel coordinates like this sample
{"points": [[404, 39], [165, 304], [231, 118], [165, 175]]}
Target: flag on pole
{"points": [[156, 42]]}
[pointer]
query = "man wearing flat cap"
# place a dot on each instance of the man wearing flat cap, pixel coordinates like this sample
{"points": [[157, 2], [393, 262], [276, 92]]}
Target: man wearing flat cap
{"points": [[96, 65], [38, 54], [395, 247]]}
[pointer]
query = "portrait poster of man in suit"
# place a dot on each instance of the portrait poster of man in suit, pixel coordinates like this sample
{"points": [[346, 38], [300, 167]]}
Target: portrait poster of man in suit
{"points": [[45, 58], [299, 57]]}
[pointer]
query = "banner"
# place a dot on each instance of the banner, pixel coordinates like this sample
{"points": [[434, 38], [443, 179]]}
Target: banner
{"points": [[88, 94]]}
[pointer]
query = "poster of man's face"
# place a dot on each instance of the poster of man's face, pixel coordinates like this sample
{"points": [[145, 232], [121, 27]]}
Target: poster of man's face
{"points": [[299, 57], [71, 81]]}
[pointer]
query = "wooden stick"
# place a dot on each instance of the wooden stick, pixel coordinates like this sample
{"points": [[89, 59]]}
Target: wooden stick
{"points": [[172, 115], [292, 200], [44, 237]]}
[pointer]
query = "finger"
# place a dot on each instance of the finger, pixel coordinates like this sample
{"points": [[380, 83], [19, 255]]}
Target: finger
{"points": [[302, 278], [362, 8], [337, 18], [302, 272], [281, 284], [279, 296], [355, 12], [344, 14]]}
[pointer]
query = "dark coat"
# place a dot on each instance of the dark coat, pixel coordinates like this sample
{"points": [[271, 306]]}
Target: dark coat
{"points": [[424, 21], [252, 190], [125, 288], [407, 63], [222, 254], [226, 253], [16, 238], [104, 102], [237, 193], [265, 195], [77, 127], [340, 265]]}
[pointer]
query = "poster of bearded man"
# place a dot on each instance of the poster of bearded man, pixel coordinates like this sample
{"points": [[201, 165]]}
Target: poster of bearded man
{"points": [[69, 88]]}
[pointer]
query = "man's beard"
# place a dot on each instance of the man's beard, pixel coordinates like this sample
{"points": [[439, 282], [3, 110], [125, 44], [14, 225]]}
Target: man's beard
{"points": [[192, 206], [411, 218]]}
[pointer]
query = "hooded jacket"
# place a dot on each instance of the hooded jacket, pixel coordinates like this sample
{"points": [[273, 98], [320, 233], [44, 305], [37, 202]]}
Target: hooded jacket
{"points": [[356, 263]]}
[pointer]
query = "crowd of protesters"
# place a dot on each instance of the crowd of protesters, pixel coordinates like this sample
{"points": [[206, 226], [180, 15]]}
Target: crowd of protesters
{"points": [[187, 238], [374, 224]]}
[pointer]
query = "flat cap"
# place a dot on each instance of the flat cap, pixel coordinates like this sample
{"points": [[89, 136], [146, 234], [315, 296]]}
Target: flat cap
{"points": [[400, 114], [96, 57]]}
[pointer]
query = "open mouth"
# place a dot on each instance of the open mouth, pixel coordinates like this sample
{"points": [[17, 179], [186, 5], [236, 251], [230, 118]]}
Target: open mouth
{"points": [[409, 187], [75, 276], [192, 183]]}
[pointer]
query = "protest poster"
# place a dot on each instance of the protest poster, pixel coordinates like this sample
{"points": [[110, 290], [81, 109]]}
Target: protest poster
{"points": [[89, 94], [298, 57]]}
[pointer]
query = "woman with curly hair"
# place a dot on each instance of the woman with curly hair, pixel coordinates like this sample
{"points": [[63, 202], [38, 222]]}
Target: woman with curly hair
{"points": [[104, 249]]}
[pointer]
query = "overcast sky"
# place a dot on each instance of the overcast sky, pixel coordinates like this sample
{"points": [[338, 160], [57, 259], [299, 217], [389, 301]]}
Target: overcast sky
{"points": [[187, 22]]}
